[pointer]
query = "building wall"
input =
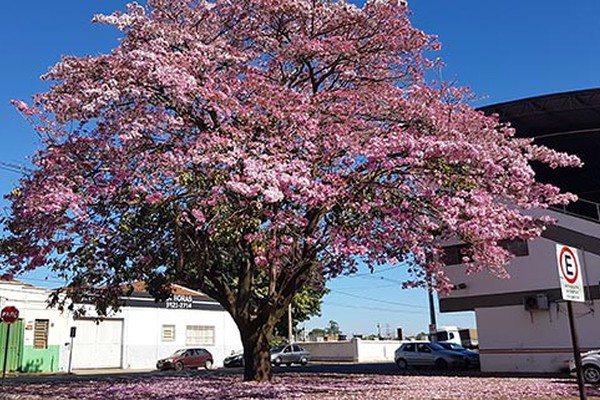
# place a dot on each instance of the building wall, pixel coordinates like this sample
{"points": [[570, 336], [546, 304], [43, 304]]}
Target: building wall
{"points": [[141, 344], [377, 350], [142, 340], [356, 350], [538, 271], [537, 341], [343, 350], [514, 339], [32, 305]]}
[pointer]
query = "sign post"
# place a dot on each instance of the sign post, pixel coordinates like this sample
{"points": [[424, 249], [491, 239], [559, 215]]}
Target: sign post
{"points": [[72, 334], [571, 287], [8, 315]]}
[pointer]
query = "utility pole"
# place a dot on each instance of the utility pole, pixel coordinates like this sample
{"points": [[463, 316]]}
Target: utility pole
{"points": [[290, 325], [432, 320]]}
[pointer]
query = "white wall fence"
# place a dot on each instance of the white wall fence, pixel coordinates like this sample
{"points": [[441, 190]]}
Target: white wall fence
{"points": [[354, 350]]}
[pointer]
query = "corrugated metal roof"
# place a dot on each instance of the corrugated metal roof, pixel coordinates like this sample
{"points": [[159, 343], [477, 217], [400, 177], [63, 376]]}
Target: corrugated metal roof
{"points": [[567, 122]]}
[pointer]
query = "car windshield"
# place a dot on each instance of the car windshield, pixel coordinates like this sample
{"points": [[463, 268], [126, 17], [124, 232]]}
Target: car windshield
{"points": [[179, 352], [278, 349], [452, 346], [435, 346]]}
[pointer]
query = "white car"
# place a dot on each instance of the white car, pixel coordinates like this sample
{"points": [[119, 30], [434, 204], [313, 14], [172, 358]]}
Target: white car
{"points": [[590, 363]]}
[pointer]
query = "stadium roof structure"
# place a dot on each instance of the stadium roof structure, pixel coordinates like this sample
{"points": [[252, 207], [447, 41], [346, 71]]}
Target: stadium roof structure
{"points": [[567, 122]]}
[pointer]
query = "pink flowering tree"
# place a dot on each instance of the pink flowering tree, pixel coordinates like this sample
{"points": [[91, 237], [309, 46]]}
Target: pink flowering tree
{"points": [[251, 148]]}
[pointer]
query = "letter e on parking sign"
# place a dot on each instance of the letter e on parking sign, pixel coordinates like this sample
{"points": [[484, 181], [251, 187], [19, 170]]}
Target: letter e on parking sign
{"points": [[569, 273]]}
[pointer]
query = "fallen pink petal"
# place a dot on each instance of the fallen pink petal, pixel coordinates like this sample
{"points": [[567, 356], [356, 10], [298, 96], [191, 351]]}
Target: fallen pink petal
{"points": [[305, 386]]}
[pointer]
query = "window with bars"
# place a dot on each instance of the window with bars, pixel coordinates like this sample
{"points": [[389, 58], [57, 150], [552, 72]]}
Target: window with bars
{"points": [[40, 334], [168, 333], [199, 335]]}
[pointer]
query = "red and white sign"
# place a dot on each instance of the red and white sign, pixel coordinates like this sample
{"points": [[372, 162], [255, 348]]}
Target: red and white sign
{"points": [[570, 273], [9, 314]]}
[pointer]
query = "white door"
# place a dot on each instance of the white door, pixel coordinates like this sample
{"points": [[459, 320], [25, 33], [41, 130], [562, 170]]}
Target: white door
{"points": [[97, 345]]}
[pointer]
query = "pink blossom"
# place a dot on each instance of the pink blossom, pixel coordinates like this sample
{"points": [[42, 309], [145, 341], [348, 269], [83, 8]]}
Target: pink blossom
{"points": [[154, 198], [199, 216], [261, 261], [23, 107], [272, 195]]}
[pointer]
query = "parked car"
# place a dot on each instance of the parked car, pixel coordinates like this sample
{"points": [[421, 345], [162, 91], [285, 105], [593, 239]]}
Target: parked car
{"points": [[289, 354], [236, 359], [427, 354], [472, 356], [186, 358], [590, 364]]}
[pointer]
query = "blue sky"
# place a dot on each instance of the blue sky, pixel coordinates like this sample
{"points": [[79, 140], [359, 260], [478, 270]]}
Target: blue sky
{"points": [[503, 50]]}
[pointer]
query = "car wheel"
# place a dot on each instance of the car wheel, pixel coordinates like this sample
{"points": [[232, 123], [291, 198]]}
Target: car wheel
{"points": [[178, 366], [208, 364], [304, 361], [401, 363], [440, 363], [591, 374], [277, 362]]}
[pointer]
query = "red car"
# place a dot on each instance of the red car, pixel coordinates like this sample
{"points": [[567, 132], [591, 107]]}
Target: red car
{"points": [[186, 358]]}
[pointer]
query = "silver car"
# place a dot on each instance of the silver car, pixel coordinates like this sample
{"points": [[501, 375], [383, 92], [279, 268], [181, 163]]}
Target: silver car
{"points": [[472, 356], [289, 354], [590, 364], [427, 354]]}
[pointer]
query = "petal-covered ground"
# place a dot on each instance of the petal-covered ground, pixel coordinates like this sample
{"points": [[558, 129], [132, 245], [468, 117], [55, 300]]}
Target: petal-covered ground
{"points": [[301, 386]]}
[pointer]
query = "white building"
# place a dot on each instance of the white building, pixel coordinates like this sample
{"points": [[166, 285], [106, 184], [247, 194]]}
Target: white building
{"points": [[522, 321], [133, 338], [144, 331], [36, 339]]}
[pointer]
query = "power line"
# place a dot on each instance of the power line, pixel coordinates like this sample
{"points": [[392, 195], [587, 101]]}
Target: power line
{"points": [[395, 311], [378, 300], [12, 167], [368, 287], [9, 169], [372, 273], [381, 278]]}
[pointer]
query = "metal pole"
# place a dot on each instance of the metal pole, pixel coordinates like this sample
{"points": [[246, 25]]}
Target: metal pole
{"points": [[576, 354], [290, 327], [70, 355], [5, 353]]}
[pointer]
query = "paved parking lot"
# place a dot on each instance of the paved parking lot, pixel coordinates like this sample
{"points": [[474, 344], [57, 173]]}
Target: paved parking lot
{"points": [[316, 381]]}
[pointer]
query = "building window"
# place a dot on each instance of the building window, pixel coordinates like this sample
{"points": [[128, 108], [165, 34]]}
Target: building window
{"points": [[198, 335], [168, 333], [517, 247], [453, 255], [40, 334]]}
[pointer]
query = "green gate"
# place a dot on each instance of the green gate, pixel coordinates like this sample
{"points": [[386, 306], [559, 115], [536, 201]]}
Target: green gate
{"points": [[15, 345]]}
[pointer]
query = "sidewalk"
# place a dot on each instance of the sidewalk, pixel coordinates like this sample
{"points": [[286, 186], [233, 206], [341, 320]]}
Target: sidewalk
{"points": [[109, 371], [76, 375]]}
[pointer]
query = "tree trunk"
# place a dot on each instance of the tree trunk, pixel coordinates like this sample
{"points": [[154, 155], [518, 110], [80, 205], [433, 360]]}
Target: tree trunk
{"points": [[257, 356]]}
